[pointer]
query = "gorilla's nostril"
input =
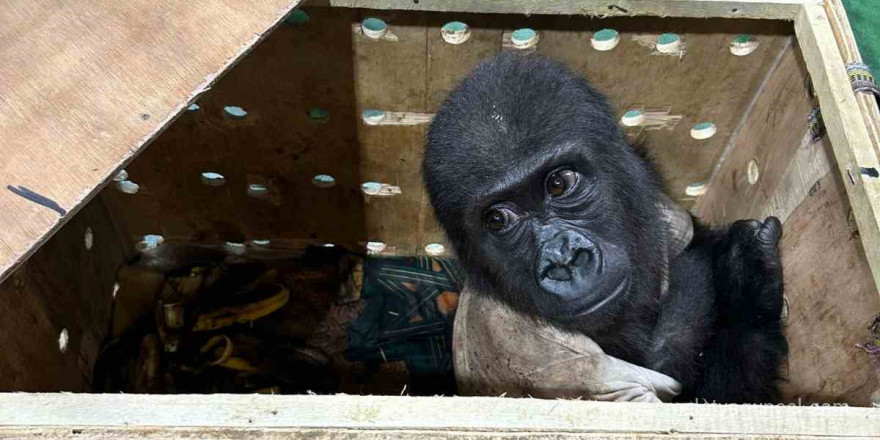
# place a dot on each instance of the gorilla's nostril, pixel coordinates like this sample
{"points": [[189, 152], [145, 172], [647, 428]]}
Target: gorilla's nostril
{"points": [[581, 257], [558, 273]]}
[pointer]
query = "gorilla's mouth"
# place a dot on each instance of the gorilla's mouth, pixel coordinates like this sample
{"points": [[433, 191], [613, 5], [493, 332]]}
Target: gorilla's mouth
{"points": [[588, 304]]}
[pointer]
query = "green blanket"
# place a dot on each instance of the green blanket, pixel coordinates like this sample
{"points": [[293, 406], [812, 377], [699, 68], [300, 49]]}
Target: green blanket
{"points": [[864, 17]]}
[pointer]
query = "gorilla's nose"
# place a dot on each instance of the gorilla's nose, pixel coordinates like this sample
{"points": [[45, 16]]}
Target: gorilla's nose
{"points": [[568, 256]]}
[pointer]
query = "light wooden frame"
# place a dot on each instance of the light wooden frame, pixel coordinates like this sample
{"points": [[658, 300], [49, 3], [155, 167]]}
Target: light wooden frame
{"points": [[382, 417], [852, 128]]}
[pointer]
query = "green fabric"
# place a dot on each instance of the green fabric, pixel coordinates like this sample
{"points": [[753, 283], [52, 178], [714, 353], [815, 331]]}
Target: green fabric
{"points": [[864, 17]]}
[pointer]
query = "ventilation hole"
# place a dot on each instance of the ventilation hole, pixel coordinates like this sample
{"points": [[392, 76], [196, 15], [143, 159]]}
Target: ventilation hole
{"points": [[371, 188], [324, 181], [605, 39], [127, 186], [115, 289], [235, 248], [703, 130], [524, 38], [783, 316], [696, 189], [297, 17], [374, 28], [734, 11], [257, 190], [752, 172], [63, 340], [193, 107], [261, 243], [89, 239], [633, 118], [234, 112], [375, 247], [668, 43], [213, 179], [150, 241], [455, 32], [373, 117], [120, 176], [435, 249], [743, 45], [318, 114]]}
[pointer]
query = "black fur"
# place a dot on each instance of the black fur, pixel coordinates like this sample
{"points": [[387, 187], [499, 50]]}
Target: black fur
{"points": [[588, 258]]}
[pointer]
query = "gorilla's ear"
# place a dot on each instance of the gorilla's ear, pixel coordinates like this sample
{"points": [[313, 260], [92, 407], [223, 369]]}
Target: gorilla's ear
{"points": [[679, 225]]}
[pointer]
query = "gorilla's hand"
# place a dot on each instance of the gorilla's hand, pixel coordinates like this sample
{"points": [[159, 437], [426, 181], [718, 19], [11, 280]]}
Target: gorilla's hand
{"points": [[748, 273]]}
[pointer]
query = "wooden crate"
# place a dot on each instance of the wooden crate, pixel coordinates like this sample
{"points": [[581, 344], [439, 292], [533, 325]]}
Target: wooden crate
{"points": [[86, 89]]}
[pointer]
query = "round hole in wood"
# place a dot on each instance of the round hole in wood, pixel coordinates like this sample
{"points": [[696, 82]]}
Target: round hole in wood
{"points": [[374, 28], [435, 249], [211, 178], [150, 241], [297, 17], [318, 114], [696, 189], [455, 32], [703, 130], [375, 247], [752, 172], [668, 43], [373, 116], [524, 38], [633, 118], [89, 239], [234, 112], [63, 340], [324, 181], [605, 40]]}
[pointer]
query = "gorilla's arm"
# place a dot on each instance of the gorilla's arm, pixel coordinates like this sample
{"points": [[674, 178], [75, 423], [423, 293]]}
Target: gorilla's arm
{"points": [[743, 359], [725, 295]]}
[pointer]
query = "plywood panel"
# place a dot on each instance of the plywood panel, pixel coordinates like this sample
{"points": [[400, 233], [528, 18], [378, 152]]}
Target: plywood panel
{"points": [[327, 63], [828, 283], [301, 67], [705, 84], [85, 86], [64, 286], [774, 128]]}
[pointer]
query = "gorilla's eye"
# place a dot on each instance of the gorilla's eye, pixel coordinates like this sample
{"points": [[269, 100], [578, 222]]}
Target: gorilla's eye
{"points": [[559, 182], [497, 219]]}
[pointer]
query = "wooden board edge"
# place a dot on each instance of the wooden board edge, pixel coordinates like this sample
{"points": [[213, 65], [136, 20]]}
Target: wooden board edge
{"points": [[760, 9], [131, 154], [846, 128], [506, 417]]}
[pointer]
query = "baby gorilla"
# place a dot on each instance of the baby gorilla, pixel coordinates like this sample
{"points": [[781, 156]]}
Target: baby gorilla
{"points": [[550, 210]]}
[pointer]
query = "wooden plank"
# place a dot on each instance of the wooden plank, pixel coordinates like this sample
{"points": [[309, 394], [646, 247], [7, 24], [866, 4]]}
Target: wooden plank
{"points": [[845, 124], [770, 134], [823, 329], [86, 87], [392, 75], [408, 417], [766, 9], [65, 287]]}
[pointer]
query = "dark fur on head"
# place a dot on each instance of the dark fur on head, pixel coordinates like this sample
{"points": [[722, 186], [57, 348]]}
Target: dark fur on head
{"points": [[504, 120]]}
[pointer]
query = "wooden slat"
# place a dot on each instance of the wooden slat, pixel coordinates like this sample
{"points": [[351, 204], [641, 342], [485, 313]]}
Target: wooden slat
{"points": [[845, 124], [413, 417], [770, 9], [86, 85]]}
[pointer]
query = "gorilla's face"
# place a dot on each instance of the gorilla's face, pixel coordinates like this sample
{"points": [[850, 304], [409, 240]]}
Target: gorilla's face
{"points": [[551, 236], [546, 205]]}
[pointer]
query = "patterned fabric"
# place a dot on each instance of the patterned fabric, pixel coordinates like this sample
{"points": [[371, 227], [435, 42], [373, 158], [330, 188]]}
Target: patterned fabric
{"points": [[410, 306]]}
